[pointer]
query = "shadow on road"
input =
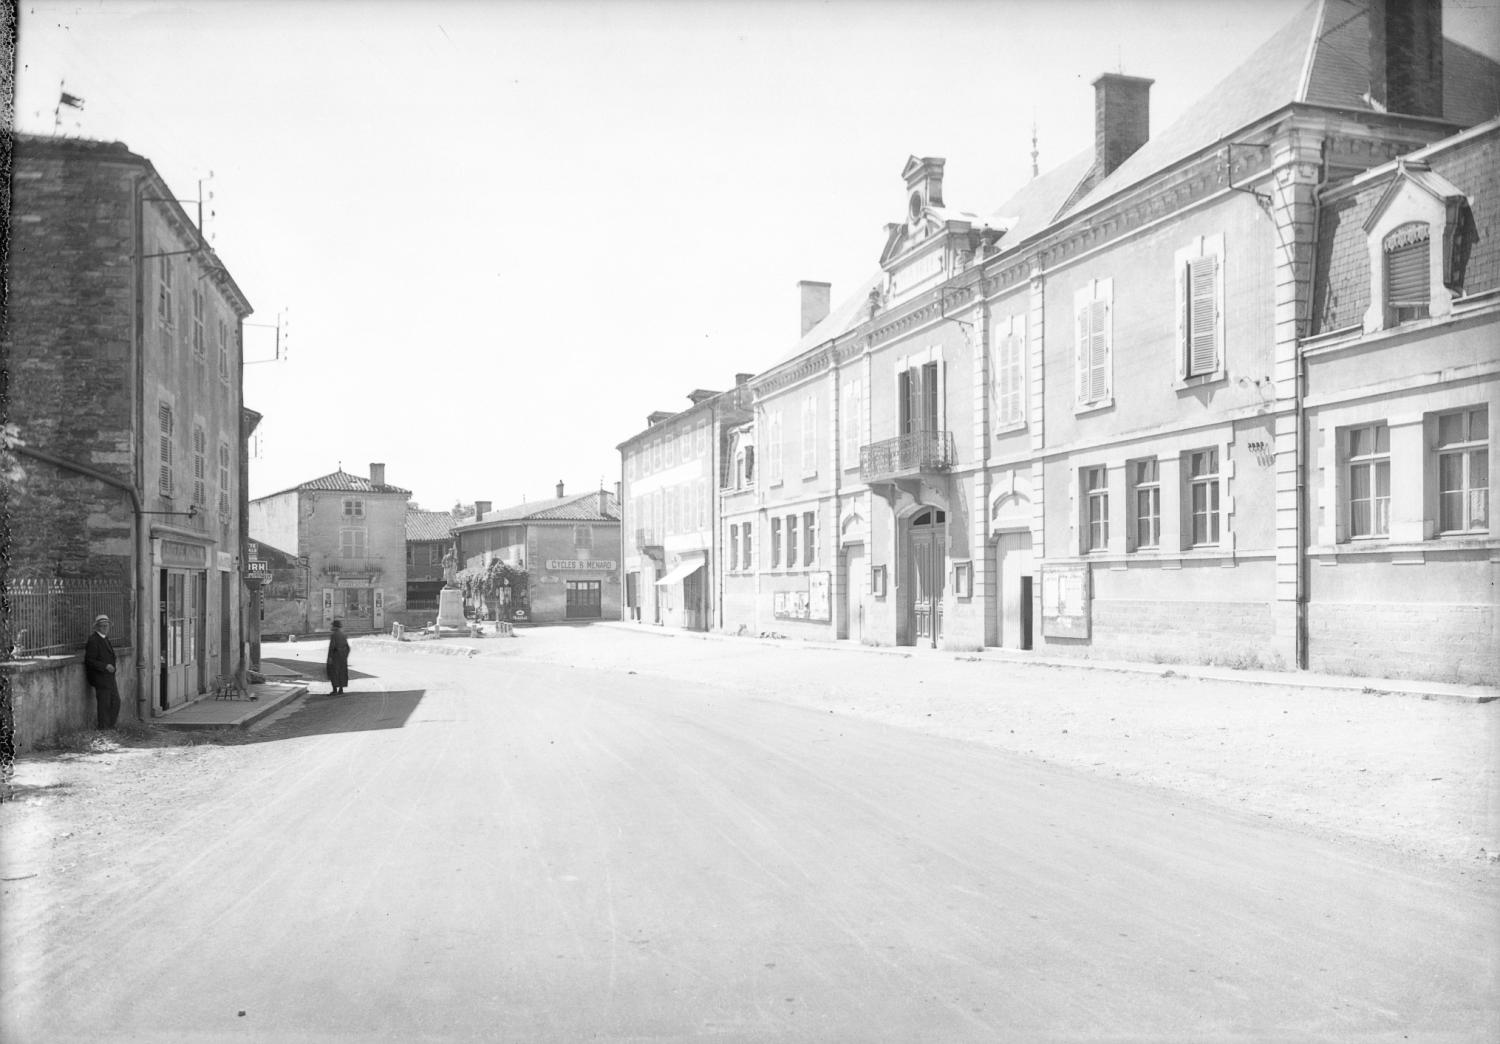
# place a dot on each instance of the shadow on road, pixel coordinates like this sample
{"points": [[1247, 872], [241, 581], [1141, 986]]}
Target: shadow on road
{"points": [[323, 715]]}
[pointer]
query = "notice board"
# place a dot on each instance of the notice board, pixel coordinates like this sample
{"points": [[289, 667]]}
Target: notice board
{"points": [[1065, 601]]}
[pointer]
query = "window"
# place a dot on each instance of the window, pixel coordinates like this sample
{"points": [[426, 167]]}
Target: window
{"points": [[1092, 310], [852, 421], [411, 555], [164, 293], [1369, 476], [583, 538], [746, 527], [1200, 308], [776, 543], [1463, 462], [1145, 503], [352, 542], [1203, 497], [200, 452], [1408, 290], [963, 579], [224, 480], [656, 454], [734, 547], [164, 481], [199, 348], [1009, 372], [1095, 485], [791, 541], [920, 395], [809, 537], [435, 554], [223, 352], [773, 447], [744, 467], [354, 508], [810, 435]]}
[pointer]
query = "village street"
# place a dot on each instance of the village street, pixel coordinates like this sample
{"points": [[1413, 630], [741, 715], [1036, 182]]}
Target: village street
{"points": [[589, 833]]}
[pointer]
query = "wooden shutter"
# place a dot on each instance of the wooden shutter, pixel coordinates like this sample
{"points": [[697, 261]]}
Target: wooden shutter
{"points": [[164, 415], [1098, 350], [906, 395], [931, 408], [200, 448], [1407, 275], [1203, 315]]}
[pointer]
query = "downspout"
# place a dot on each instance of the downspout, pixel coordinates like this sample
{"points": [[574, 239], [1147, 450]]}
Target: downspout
{"points": [[143, 599], [1300, 413]]}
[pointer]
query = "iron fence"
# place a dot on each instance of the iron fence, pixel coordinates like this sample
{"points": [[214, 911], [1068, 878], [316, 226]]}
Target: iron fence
{"points": [[53, 616]]}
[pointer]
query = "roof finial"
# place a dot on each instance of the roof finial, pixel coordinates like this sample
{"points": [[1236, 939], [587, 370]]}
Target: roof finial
{"points": [[1034, 170]]}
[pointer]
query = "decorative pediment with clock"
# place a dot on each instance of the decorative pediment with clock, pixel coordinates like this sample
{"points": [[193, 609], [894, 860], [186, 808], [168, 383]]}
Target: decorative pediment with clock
{"points": [[933, 242]]}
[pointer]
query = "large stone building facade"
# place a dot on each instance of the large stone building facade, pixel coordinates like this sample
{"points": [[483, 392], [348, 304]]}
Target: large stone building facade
{"points": [[123, 350], [351, 532], [1125, 414]]}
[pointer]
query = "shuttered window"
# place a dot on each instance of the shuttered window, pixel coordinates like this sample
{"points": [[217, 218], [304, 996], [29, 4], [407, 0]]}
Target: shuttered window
{"points": [[224, 480], [1202, 319], [1408, 283], [1010, 369], [1093, 347], [164, 416], [200, 450], [810, 435]]}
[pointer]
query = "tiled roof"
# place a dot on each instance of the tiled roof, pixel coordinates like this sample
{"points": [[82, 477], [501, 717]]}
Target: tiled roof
{"points": [[428, 525], [343, 482], [594, 506]]}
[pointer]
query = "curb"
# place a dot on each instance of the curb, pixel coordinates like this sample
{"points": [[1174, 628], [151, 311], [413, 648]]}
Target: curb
{"points": [[1436, 691], [261, 709]]}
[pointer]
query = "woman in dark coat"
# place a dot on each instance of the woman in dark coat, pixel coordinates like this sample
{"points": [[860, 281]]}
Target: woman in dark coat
{"points": [[338, 658]]}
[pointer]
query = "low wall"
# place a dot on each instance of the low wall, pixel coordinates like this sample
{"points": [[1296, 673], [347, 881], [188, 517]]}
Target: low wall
{"points": [[49, 696]]}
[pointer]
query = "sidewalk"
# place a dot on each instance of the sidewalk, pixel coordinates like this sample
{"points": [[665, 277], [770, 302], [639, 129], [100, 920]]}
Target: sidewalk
{"points": [[206, 712], [1291, 679]]}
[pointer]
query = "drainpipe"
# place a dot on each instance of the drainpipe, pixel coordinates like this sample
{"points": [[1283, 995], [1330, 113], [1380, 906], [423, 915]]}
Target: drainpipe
{"points": [[1300, 408], [143, 599]]}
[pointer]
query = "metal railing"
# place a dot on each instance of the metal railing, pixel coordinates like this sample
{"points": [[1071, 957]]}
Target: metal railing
{"points": [[54, 616], [913, 453]]}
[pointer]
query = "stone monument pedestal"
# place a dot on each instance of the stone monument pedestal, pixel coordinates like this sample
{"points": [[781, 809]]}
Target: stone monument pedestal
{"points": [[451, 613]]}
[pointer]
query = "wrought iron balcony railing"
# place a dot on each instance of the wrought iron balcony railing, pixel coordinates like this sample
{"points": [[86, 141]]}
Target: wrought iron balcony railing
{"points": [[646, 537], [910, 454]]}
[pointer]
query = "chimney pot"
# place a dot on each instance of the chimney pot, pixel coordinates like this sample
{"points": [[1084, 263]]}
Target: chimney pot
{"points": [[481, 508], [559, 489], [814, 303], [377, 474], [1122, 118]]}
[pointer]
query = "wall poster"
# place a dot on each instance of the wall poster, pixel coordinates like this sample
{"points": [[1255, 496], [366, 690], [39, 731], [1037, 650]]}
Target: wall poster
{"points": [[1065, 601], [817, 595]]}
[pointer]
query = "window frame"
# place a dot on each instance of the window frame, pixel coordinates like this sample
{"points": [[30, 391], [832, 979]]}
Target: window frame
{"points": [[1141, 481], [809, 538], [1008, 382], [1370, 462], [1093, 497], [1093, 346], [1210, 482], [1465, 450]]}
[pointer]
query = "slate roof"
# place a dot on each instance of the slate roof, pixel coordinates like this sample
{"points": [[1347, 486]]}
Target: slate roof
{"points": [[341, 482], [428, 525], [849, 314], [595, 506], [1320, 57]]}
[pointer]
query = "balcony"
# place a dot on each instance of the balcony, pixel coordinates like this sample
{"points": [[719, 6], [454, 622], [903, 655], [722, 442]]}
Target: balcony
{"points": [[365, 566], [645, 538], [916, 453]]}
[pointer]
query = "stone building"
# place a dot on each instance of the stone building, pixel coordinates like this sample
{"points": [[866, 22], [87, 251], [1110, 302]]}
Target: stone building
{"points": [[122, 343], [352, 532], [670, 477], [568, 546], [1092, 422], [429, 546]]}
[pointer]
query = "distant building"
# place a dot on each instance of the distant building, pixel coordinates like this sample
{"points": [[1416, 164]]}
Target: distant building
{"points": [[281, 579], [429, 545], [352, 532], [122, 348], [569, 547], [670, 478]]}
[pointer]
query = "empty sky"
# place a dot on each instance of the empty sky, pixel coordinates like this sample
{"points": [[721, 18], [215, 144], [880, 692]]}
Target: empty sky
{"points": [[500, 234]]}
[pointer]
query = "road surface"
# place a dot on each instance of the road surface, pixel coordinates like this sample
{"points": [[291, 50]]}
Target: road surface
{"points": [[510, 849]]}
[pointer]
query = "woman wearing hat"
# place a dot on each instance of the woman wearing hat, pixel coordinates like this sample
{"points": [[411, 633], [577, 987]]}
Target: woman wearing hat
{"points": [[338, 659], [99, 669]]}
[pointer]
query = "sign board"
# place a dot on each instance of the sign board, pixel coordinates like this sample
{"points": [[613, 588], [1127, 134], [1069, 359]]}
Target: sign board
{"points": [[595, 564], [1065, 601], [817, 597], [182, 556], [225, 562], [351, 581], [257, 568]]}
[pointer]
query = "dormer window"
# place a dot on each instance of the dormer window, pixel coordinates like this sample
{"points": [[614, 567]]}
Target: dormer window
{"points": [[1408, 267]]}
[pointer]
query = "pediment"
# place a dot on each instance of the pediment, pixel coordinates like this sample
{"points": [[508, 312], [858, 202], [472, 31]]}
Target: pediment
{"points": [[1412, 178]]}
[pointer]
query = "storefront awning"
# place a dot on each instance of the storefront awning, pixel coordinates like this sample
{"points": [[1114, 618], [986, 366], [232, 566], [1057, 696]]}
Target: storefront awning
{"points": [[684, 569]]}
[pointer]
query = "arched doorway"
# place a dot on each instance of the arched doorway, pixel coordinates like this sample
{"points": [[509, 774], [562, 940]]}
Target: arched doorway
{"points": [[926, 567]]}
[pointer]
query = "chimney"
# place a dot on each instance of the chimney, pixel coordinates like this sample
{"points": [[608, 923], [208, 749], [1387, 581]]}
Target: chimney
{"points": [[559, 489], [742, 378], [1406, 56], [814, 303], [377, 474], [481, 508], [1122, 118]]}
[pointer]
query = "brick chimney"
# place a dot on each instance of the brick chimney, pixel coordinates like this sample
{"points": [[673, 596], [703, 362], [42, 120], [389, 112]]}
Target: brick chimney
{"points": [[814, 303], [377, 474], [481, 508], [742, 378], [1122, 118], [559, 489], [1406, 56]]}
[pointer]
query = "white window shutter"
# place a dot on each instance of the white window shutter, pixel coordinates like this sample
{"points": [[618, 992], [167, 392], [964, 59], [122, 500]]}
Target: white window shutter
{"points": [[1098, 349], [1082, 352], [1203, 316]]}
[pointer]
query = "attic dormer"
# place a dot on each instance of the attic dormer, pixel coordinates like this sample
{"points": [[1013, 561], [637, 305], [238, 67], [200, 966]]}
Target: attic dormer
{"points": [[924, 186]]}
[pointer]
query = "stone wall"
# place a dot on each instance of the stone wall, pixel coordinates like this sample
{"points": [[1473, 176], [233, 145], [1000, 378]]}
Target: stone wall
{"points": [[50, 696]]}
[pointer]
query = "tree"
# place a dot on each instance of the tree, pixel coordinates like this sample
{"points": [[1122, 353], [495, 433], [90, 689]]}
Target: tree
{"points": [[488, 582]]}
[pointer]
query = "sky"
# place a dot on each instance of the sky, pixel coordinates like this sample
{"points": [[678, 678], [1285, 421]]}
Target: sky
{"points": [[497, 235]]}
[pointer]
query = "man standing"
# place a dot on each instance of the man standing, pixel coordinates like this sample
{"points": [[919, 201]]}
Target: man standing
{"points": [[99, 668]]}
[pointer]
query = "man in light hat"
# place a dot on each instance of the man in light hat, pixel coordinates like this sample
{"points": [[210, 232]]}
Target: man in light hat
{"points": [[99, 668]]}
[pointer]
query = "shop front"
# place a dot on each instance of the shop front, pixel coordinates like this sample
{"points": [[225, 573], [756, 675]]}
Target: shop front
{"points": [[181, 621]]}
